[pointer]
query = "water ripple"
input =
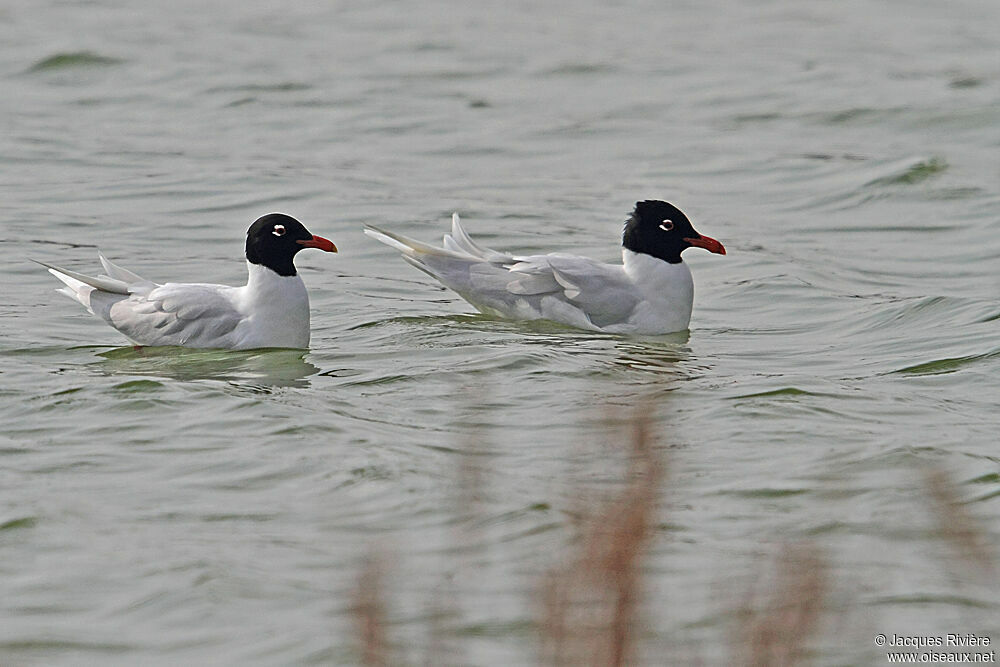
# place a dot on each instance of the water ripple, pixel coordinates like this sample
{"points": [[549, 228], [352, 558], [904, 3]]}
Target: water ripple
{"points": [[71, 60]]}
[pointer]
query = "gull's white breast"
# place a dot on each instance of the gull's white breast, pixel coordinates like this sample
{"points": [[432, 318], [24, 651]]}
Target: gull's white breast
{"points": [[667, 293], [275, 310]]}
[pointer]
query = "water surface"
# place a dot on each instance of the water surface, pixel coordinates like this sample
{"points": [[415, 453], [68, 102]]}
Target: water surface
{"points": [[194, 507]]}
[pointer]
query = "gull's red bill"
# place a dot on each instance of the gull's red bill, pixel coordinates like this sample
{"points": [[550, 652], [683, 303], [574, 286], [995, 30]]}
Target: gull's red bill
{"points": [[708, 243], [326, 245]]}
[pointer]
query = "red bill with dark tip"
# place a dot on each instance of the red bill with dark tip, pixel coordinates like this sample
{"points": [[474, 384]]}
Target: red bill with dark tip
{"points": [[708, 243], [326, 245]]}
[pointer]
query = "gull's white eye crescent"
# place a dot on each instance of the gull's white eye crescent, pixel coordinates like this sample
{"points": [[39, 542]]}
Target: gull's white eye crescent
{"points": [[667, 225], [279, 230]]}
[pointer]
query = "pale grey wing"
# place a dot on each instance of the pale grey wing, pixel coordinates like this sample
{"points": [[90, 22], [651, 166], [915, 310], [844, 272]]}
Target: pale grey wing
{"points": [[602, 292], [195, 315], [564, 288]]}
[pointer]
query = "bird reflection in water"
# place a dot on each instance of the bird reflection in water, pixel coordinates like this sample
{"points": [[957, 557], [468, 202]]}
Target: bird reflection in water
{"points": [[262, 368], [654, 354]]}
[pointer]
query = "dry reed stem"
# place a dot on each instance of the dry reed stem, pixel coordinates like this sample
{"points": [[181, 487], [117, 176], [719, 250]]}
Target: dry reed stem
{"points": [[773, 632], [955, 523], [589, 605], [369, 611]]}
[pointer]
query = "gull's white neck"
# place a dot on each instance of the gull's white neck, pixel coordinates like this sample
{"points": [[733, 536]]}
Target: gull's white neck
{"points": [[259, 277], [277, 308], [667, 289]]}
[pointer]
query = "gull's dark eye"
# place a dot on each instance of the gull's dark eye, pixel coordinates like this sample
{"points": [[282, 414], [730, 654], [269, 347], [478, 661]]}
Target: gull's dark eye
{"points": [[279, 230], [667, 225]]}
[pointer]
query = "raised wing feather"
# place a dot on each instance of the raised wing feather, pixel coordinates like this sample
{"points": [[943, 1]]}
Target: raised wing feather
{"points": [[460, 241], [136, 283]]}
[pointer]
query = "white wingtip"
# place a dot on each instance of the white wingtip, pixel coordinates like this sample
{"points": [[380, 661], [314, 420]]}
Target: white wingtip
{"points": [[70, 282], [74, 279], [407, 246], [388, 238]]}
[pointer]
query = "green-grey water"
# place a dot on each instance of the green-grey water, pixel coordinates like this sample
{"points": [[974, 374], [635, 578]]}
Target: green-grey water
{"points": [[165, 507]]}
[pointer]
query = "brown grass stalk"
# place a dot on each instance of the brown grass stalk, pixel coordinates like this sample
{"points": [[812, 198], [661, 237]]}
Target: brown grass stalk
{"points": [[370, 615], [955, 523], [776, 625], [589, 605]]}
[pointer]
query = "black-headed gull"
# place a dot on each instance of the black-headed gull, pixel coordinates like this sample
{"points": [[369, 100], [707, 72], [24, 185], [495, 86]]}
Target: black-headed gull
{"points": [[651, 292], [271, 310]]}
